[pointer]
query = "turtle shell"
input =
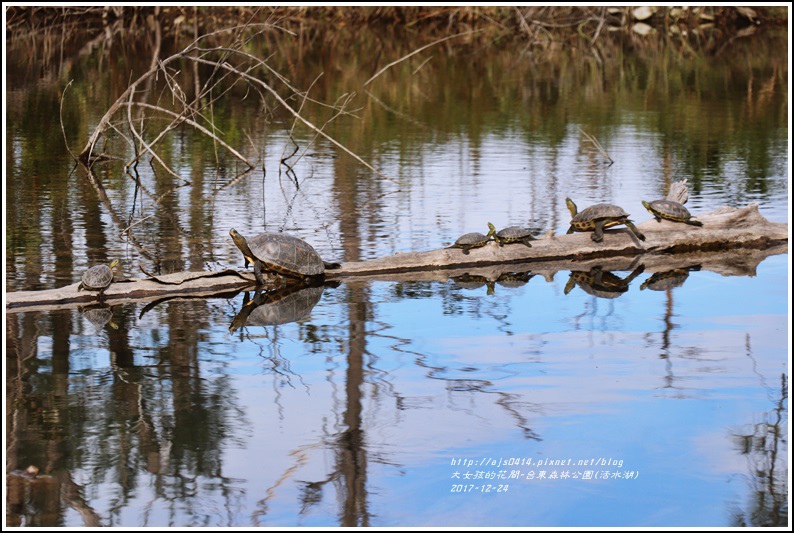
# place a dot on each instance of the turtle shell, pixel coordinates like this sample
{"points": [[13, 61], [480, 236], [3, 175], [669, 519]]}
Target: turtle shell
{"points": [[287, 255], [513, 234], [586, 218], [472, 239], [97, 277], [668, 209]]}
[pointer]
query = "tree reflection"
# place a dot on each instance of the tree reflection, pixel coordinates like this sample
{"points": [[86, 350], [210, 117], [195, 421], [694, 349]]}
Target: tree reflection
{"points": [[113, 426], [765, 449]]}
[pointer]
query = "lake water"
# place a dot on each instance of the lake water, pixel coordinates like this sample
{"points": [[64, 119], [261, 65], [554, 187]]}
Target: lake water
{"points": [[420, 402]]}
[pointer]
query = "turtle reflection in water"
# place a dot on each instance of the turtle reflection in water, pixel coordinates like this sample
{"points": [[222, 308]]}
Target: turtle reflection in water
{"points": [[670, 279], [506, 279], [474, 281], [514, 279], [99, 315], [600, 283], [288, 304]]}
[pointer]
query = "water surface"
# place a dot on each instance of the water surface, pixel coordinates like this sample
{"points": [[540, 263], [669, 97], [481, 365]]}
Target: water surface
{"points": [[424, 402]]}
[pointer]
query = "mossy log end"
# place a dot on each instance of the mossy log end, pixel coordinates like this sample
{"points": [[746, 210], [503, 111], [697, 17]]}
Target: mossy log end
{"points": [[667, 245]]}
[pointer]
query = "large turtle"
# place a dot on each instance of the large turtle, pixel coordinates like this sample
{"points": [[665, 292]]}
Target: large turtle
{"points": [[474, 239], [597, 218], [670, 210], [512, 234], [98, 278], [283, 254]]}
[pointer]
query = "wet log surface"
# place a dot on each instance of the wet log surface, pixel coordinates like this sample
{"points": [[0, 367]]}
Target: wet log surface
{"points": [[731, 242]]}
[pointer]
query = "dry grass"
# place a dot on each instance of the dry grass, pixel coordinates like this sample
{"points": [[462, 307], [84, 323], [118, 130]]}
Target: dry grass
{"points": [[538, 25]]}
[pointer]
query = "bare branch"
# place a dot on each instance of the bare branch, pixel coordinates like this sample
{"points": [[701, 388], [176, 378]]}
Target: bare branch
{"points": [[597, 145], [311, 126]]}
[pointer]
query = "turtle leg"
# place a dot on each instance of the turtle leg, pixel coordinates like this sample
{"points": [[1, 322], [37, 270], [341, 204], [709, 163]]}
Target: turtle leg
{"points": [[694, 222], [258, 273], [526, 242], [598, 233], [466, 250], [490, 289], [570, 230], [634, 230]]}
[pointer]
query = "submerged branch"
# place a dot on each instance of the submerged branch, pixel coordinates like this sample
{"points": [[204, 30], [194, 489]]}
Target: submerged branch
{"points": [[597, 145]]}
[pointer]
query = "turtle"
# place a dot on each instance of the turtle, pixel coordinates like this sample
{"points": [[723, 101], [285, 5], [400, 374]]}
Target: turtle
{"points": [[512, 234], [597, 218], [282, 306], [670, 210], [601, 283], [474, 239], [283, 254], [98, 278]]}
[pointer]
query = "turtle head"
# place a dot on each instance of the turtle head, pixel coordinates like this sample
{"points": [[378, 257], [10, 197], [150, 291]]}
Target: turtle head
{"points": [[113, 264], [491, 229], [242, 245], [238, 239], [571, 207], [647, 206]]}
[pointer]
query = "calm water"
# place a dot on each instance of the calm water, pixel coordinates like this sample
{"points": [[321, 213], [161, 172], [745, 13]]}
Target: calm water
{"points": [[423, 402]]}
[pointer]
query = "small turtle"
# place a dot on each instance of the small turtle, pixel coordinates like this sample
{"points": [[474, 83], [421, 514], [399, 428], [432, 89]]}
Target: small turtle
{"points": [[474, 240], [512, 234], [98, 278], [283, 254], [670, 210], [600, 283], [597, 218]]}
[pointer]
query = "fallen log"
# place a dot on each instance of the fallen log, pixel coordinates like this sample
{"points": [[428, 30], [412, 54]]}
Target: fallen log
{"points": [[723, 229], [732, 242]]}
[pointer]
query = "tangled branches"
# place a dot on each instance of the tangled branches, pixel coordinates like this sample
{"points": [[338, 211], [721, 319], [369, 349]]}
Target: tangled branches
{"points": [[230, 65]]}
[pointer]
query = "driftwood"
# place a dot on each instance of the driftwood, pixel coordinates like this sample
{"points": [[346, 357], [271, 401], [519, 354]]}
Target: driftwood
{"points": [[724, 229], [731, 242]]}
